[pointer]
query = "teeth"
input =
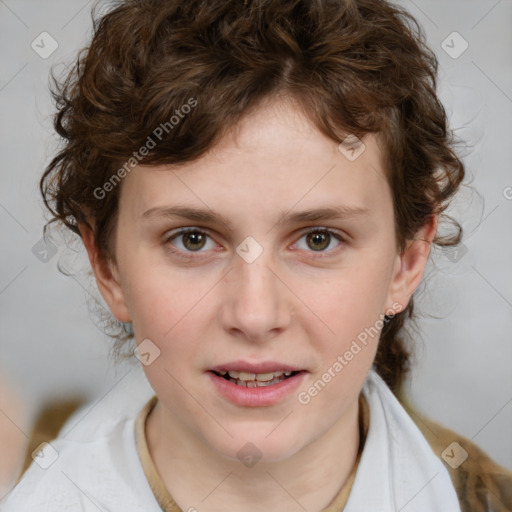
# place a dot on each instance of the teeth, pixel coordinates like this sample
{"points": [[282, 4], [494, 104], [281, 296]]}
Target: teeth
{"points": [[256, 383], [246, 376], [261, 377], [264, 377], [253, 380]]}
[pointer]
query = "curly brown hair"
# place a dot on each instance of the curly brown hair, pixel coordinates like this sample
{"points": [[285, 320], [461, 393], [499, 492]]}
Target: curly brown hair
{"points": [[355, 66]]}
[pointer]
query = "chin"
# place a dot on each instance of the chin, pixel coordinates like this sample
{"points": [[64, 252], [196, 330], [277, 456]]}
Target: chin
{"points": [[250, 446]]}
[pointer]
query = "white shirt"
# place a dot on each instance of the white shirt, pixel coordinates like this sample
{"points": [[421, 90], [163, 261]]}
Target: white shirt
{"points": [[398, 470]]}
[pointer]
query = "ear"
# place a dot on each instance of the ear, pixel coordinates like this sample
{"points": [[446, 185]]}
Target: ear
{"points": [[410, 266], [107, 276]]}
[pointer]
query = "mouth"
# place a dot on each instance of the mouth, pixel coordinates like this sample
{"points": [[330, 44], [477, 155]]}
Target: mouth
{"points": [[263, 384], [256, 385], [255, 380]]}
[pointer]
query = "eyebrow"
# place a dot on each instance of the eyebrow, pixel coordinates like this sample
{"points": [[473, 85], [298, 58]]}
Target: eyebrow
{"points": [[290, 217]]}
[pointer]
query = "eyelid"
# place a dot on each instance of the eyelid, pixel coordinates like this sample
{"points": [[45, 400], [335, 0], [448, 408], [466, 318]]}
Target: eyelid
{"points": [[175, 233], [323, 229]]}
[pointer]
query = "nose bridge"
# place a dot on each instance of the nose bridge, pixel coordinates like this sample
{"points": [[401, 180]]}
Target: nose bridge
{"points": [[258, 299]]}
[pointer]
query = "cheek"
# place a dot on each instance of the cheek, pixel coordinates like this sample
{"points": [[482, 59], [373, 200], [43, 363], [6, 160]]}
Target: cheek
{"points": [[152, 307], [156, 296], [167, 308], [346, 341], [168, 318], [347, 303]]}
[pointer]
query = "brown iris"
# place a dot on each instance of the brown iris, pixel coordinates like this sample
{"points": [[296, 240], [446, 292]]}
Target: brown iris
{"points": [[318, 237], [195, 238]]}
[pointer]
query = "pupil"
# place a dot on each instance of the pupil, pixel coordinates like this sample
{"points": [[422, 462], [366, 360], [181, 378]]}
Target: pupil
{"points": [[196, 238], [319, 238]]}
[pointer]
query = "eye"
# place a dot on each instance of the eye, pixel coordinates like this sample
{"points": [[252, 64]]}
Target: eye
{"points": [[319, 239], [192, 240]]}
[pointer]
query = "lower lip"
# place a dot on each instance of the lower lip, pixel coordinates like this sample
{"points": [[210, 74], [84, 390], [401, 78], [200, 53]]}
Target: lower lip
{"points": [[257, 396]]}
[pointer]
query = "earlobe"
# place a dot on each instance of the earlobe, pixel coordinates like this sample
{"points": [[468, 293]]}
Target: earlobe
{"points": [[410, 265], [107, 276]]}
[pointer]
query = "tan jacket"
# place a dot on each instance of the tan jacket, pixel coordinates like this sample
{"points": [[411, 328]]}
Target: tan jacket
{"points": [[482, 485]]}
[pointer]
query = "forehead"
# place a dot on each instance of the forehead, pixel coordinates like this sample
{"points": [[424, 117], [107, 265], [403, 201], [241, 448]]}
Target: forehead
{"points": [[275, 159]]}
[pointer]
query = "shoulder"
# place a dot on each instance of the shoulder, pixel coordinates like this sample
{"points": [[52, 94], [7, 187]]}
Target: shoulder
{"points": [[482, 485], [103, 473]]}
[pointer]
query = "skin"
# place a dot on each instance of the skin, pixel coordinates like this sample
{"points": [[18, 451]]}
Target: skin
{"points": [[301, 302]]}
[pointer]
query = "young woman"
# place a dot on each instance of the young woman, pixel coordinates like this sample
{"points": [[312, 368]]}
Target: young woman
{"points": [[258, 185]]}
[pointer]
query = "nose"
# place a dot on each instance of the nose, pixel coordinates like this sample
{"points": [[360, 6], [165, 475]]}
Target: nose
{"points": [[256, 303]]}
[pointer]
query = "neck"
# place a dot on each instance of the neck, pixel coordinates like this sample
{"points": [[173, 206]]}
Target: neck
{"points": [[197, 476]]}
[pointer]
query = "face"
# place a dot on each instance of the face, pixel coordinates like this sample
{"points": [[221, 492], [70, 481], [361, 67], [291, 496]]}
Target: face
{"points": [[288, 263]]}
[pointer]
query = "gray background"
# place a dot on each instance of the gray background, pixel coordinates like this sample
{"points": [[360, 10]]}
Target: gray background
{"points": [[50, 347]]}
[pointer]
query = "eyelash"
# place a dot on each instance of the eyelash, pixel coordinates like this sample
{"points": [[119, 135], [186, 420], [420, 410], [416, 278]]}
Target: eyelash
{"points": [[184, 254]]}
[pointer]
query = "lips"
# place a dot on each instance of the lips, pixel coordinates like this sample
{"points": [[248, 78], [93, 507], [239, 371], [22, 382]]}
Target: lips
{"points": [[245, 376], [256, 368], [256, 392]]}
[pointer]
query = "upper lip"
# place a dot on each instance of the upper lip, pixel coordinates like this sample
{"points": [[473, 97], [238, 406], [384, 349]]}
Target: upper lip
{"points": [[263, 367]]}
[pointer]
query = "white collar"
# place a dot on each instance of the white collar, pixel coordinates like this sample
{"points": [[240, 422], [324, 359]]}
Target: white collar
{"points": [[398, 471]]}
